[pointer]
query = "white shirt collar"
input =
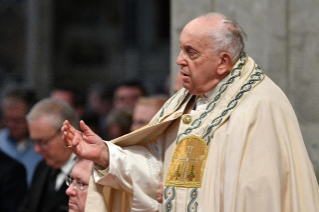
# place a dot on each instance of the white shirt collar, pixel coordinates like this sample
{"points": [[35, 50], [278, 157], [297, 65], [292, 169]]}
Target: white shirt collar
{"points": [[65, 170], [202, 100], [68, 166]]}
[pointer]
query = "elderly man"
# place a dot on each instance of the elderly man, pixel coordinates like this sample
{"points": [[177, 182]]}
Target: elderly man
{"points": [[228, 141], [47, 192], [79, 179]]}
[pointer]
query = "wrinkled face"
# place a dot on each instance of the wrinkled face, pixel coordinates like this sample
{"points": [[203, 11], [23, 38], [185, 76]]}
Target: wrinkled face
{"points": [[126, 96], [142, 115], [14, 113], [48, 142], [77, 197], [198, 64]]}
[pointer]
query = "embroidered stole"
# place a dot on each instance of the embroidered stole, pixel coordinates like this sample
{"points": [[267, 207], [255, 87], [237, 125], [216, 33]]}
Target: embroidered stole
{"points": [[188, 161]]}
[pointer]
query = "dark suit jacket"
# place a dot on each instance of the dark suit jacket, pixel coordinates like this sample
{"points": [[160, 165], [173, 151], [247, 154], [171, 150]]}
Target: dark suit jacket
{"points": [[13, 183], [32, 202]]}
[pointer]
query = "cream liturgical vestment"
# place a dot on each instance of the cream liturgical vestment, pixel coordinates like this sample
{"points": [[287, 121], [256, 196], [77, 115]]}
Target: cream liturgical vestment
{"points": [[239, 150]]}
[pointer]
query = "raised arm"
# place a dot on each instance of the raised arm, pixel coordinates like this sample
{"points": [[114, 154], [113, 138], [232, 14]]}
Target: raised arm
{"points": [[86, 144]]}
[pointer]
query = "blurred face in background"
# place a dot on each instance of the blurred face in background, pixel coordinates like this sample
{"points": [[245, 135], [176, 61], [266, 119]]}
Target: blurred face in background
{"points": [[126, 96], [142, 115], [64, 95], [14, 113]]}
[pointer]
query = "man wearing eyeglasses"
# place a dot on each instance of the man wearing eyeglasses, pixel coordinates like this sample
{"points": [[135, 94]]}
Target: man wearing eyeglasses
{"points": [[78, 183], [47, 192]]}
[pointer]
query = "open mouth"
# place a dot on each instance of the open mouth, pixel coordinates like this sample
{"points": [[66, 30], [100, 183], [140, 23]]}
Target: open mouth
{"points": [[182, 73], [184, 76]]}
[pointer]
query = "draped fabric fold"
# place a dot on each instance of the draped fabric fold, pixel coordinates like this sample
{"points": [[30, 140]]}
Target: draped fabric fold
{"points": [[256, 158]]}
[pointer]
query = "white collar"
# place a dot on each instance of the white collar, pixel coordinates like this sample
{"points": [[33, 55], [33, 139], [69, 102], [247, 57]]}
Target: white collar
{"points": [[68, 166], [202, 100], [65, 170]]}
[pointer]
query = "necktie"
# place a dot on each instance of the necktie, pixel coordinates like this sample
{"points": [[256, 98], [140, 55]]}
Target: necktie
{"points": [[52, 180], [49, 189]]}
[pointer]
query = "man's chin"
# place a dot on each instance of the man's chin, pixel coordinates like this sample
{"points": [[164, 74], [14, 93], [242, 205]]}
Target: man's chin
{"points": [[187, 86], [73, 208], [191, 91]]}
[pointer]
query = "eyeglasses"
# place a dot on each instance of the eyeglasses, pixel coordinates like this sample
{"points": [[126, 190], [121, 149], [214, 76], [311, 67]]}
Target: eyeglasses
{"points": [[44, 144], [76, 184]]}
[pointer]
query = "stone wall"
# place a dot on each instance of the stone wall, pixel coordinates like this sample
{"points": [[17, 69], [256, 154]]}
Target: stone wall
{"points": [[282, 39]]}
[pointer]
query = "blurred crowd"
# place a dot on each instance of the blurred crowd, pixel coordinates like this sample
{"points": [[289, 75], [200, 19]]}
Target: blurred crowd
{"points": [[36, 168]]}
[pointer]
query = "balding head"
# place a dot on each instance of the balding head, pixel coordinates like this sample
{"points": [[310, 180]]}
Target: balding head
{"points": [[226, 34]]}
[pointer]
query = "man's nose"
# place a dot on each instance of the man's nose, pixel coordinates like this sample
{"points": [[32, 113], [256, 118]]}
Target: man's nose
{"points": [[71, 190], [180, 59]]}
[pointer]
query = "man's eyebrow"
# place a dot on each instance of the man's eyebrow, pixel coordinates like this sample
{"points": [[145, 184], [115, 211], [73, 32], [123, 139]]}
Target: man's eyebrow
{"points": [[78, 178], [190, 47]]}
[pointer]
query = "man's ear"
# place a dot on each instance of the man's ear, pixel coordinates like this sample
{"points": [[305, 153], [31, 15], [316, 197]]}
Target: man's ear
{"points": [[225, 63]]}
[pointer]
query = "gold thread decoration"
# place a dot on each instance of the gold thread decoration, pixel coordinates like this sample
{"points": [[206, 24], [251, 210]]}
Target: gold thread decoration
{"points": [[188, 163]]}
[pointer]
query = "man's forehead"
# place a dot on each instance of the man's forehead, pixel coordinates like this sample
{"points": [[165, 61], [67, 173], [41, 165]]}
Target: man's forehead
{"points": [[81, 168], [192, 39], [201, 26]]}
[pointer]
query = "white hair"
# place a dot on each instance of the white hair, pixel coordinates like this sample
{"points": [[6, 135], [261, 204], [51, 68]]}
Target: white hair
{"points": [[57, 111], [228, 37]]}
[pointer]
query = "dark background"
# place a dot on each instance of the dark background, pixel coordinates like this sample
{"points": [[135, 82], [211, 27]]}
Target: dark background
{"points": [[91, 42]]}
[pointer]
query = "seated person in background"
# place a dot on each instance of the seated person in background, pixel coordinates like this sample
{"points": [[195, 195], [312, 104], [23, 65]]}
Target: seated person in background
{"points": [[78, 183], [99, 98], [13, 183], [118, 123], [145, 109], [47, 192], [92, 119], [99, 102], [127, 93], [14, 138], [68, 93]]}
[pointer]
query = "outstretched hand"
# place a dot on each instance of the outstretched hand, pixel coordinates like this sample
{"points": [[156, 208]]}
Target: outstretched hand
{"points": [[87, 145]]}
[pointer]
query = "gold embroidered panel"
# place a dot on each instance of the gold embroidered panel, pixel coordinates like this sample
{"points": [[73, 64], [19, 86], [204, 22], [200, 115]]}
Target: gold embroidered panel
{"points": [[188, 163]]}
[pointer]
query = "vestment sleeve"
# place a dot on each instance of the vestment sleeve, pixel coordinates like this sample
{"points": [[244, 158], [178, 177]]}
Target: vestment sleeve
{"points": [[134, 170]]}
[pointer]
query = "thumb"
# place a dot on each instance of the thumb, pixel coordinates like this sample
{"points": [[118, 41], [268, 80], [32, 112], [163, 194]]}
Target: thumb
{"points": [[86, 129]]}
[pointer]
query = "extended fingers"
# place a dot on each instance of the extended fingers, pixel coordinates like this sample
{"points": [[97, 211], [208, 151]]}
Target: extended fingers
{"points": [[70, 128], [67, 138], [68, 133], [77, 138], [86, 129]]}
